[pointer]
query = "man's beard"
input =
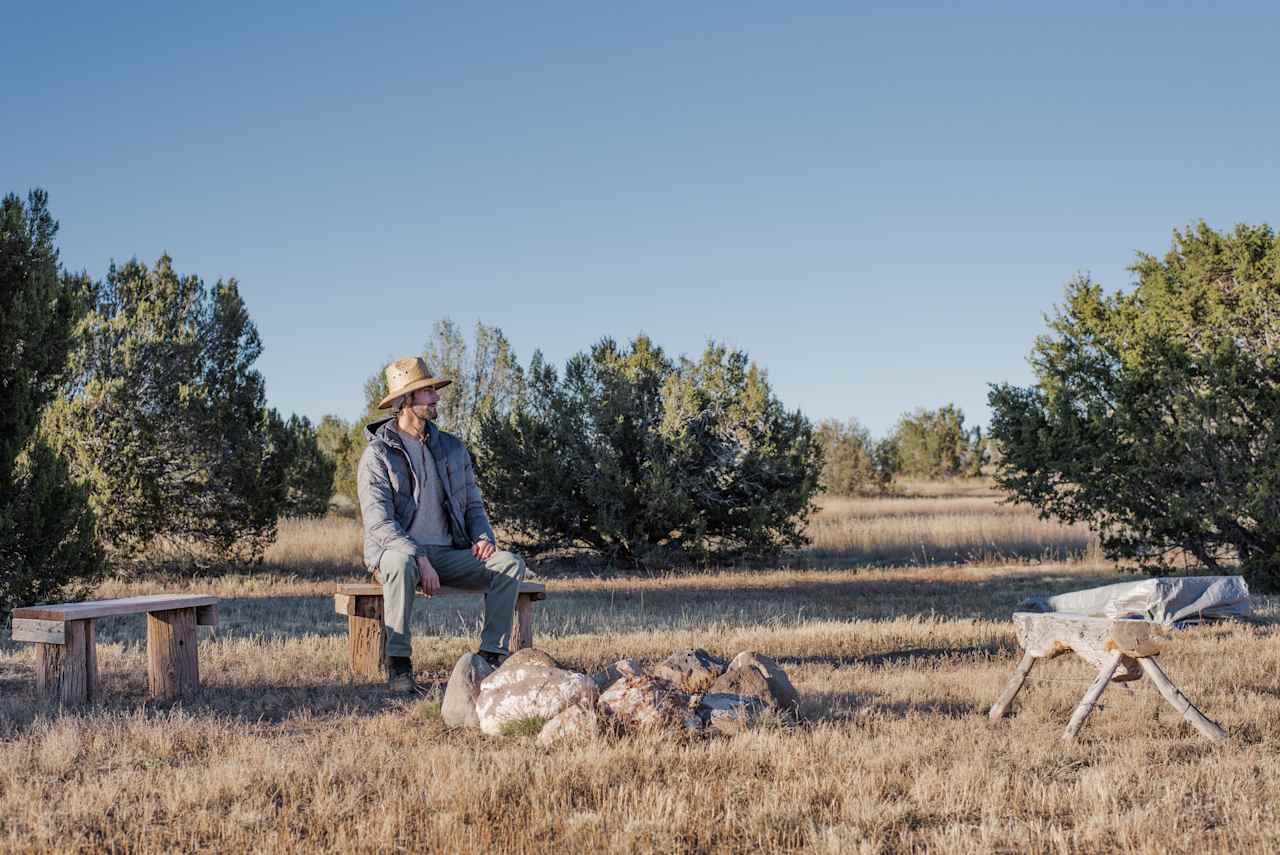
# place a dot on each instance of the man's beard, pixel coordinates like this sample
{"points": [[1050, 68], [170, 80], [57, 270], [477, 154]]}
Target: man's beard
{"points": [[426, 412]]}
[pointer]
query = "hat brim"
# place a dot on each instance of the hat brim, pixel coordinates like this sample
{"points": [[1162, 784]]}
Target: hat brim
{"points": [[409, 388]]}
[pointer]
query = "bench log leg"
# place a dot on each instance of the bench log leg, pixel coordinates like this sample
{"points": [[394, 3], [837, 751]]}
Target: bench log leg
{"points": [[172, 667], [1001, 706], [366, 637], [91, 659], [523, 636], [68, 673], [1090, 698], [1179, 701]]}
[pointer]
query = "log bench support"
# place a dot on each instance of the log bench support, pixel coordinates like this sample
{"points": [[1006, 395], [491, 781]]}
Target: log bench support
{"points": [[172, 666], [67, 670], [66, 643], [366, 632], [1122, 649]]}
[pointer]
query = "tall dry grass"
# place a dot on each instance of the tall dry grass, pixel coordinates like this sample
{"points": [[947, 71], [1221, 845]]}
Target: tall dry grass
{"points": [[972, 527], [923, 523], [283, 751]]}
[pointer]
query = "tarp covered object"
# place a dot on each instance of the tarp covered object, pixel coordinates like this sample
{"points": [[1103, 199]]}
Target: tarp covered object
{"points": [[1167, 600]]}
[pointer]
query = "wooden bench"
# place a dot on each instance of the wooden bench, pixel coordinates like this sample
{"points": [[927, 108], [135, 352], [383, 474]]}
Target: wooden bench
{"points": [[1122, 649], [66, 643], [362, 604]]}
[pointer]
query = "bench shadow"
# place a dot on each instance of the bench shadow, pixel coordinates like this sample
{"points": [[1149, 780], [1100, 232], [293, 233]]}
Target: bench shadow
{"points": [[277, 704], [259, 704]]}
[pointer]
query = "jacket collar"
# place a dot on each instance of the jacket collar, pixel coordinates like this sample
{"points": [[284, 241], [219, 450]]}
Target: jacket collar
{"points": [[385, 430]]}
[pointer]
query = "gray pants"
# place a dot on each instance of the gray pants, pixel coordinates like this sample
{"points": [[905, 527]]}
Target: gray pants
{"points": [[499, 577]]}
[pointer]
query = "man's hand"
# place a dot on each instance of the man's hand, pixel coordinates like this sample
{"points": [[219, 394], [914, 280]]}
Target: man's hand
{"points": [[428, 581], [482, 549]]}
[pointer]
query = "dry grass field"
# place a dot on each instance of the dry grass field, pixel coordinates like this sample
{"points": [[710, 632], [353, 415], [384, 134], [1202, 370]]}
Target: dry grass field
{"points": [[894, 627]]}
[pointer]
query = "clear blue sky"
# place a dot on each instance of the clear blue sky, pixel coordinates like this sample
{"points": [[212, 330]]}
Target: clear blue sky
{"points": [[878, 203]]}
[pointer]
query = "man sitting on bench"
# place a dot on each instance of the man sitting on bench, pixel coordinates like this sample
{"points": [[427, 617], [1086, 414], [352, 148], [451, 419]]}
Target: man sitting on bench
{"points": [[424, 520]]}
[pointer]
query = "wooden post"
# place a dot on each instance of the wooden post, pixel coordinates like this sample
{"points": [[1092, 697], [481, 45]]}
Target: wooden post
{"points": [[366, 636], [523, 636], [90, 659], [1091, 697], [68, 672], [172, 666], [1001, 706], [1179, 701]]}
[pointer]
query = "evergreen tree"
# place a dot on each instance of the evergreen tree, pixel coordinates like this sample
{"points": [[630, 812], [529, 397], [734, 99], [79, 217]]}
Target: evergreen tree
{"points": [[48, 547], [334, 438], [641, 458], [934, 444], [487, 379], [1155, 417], [167, 421], [851, 462], [308, 471]]}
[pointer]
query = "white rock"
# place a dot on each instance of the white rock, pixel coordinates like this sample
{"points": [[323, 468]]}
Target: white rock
{"points": [[579, 720], [529, 691]]}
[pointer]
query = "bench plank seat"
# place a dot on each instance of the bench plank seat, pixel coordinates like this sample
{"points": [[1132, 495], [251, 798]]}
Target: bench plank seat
{"points": [[66, 642], [536, 590], [361, 604], [108, 608]]}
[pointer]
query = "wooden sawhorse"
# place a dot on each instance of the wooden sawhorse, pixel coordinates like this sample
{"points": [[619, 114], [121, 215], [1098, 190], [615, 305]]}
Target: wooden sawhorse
{"points": [[1122, 649]]}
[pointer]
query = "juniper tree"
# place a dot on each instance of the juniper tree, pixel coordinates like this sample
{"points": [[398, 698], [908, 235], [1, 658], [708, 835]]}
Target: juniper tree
{"points": [[1155, 416], [935, 444], [335, 440], [166, 421], [47, 536], [307, 471], [639, 457], [851, 464]]}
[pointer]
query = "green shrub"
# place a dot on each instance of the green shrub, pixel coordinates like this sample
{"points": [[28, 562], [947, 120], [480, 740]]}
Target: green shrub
{"points": [[1155, 417], [166, 421], [308, 472], [528, 726], [852, 463], [935, 444], [642, 458]]}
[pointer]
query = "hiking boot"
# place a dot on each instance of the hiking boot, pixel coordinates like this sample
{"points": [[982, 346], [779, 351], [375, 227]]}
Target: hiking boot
{"points": [[494, 659], [400, 675]]}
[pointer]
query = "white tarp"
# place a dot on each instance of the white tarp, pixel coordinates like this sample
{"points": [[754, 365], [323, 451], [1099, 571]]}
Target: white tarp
{"points": [[1165, 600]]}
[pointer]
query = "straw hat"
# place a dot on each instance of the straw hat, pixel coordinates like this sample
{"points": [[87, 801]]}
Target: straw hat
{"points": [[407, 375]]}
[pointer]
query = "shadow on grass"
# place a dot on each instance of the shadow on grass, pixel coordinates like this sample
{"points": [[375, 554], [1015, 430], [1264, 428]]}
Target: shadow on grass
{"points": [[275, 704], [908, 656], [925, 556], [822, 597], [263, 704], [829, 707]]}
